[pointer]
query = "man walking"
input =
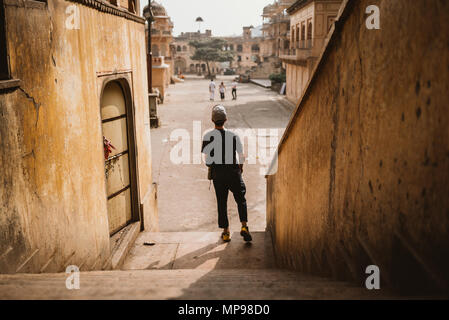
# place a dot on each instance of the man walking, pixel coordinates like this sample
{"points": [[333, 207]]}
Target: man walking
{"points": [[222, 89], [234, 90], [221, 147], [212, 90]]}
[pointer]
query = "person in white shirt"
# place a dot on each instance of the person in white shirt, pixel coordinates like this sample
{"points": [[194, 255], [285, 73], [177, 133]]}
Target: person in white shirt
{"points": [[212, 90], [234, 90]]}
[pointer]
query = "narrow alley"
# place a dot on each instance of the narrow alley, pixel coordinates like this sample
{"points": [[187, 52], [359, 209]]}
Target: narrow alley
{"points": [[339, 132]]}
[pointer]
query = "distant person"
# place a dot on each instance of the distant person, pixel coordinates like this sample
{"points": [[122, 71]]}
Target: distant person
{"points": [[234, 90], [222, 89], [212, 87], [220, 147]]}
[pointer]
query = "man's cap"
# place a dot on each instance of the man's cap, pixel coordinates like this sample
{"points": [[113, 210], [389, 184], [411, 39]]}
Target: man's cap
{"points": [[219, 113]]}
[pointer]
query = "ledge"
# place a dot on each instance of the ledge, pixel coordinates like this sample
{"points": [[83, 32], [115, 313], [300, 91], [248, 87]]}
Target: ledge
{"points": [[121, 243], [29, 4], [9, 84], [106, 7]]}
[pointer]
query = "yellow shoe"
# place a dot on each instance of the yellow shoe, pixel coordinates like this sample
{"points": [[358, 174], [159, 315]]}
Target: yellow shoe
{"points": [[245, 234], [226, 236]]}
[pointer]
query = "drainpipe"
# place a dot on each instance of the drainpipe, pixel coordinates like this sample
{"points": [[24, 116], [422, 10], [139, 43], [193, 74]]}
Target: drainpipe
{"points": [[154, 119], [148, 14]]}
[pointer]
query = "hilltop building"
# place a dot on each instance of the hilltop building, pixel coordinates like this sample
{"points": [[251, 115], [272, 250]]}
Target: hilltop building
{"points": [[161, 47], [310, 24]]}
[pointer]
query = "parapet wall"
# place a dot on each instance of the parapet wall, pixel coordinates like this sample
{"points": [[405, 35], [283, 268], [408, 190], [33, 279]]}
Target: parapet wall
{"points": [[363, 166]]}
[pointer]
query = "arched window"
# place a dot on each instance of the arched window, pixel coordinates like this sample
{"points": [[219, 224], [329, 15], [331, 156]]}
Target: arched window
{"points": [[178, 48], [132, 6], [309, 34], [255, 48], [309, 30], [239, 48], [302, 39]]}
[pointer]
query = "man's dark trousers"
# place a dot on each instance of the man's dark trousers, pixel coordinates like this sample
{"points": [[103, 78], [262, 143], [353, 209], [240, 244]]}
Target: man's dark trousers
{"points": [[234, 93], [225, 181]]}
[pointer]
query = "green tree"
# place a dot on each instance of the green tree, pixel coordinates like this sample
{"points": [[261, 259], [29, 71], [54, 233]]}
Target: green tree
{"points": [[211, 50]]}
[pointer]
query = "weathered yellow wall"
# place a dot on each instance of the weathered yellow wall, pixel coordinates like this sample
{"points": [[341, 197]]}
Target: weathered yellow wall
{"points": [[297, 78], [52, 193], [160, 79], [364, 165]]}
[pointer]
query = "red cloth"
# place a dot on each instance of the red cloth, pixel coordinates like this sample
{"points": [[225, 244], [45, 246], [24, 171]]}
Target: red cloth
{"points": [[107, 148]]}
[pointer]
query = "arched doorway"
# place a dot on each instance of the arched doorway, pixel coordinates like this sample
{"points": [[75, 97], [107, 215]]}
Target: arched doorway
{"points": [[180, 65], [120, 166]]}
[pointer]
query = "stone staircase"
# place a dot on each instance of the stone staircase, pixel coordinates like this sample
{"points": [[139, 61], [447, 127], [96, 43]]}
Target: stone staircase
{"points": [[194, 265]]}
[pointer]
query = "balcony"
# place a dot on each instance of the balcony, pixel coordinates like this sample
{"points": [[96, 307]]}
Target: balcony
{"points": [[304, 44], [280, 19], [303, 50], [160, 33]]}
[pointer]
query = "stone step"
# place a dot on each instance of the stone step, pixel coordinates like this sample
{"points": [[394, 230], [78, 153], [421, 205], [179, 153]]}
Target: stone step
{"points": [[199, 250], [257, 284], [188, 265]]}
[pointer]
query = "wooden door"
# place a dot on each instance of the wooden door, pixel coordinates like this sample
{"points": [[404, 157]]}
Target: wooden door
{"points": [[114, 117]]}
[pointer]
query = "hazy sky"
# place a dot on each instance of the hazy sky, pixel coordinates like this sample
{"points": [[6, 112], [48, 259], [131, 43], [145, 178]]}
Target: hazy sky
{"points": [[223, 17]]}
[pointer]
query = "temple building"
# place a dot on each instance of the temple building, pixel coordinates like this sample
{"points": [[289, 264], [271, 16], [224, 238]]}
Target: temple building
{"points": [[162, 48], [246, 50], [310, 22], [275, 38], [183, 53]]}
